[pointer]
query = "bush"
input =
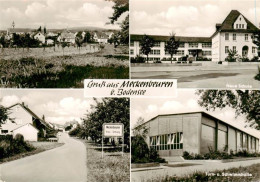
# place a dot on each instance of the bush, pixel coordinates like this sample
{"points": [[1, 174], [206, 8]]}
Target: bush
{"points": [[220, 62], [157, 61], [245, 59], [255, 59], [19, 138], [257, 77], [138, 59]]}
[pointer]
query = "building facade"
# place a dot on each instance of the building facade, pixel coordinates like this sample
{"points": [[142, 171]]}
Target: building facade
{"points": [[234, 33], [196, 133]]}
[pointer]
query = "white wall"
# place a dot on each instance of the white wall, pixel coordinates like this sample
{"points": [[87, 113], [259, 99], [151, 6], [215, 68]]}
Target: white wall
{"points": [[28, 131], [20, 115]]}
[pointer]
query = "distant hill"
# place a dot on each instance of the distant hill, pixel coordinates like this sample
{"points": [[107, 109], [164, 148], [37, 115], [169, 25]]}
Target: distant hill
{"points": [[74, 29]]}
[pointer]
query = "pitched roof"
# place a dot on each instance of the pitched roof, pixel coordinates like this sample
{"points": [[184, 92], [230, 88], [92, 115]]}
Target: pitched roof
{"points": [[227, 24], [31, 113], [206, 115], [136, 37], [25, 125], [102, 35]]}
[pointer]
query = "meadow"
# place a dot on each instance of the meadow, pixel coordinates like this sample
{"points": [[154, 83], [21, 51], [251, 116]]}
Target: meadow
{"points": [[39, 68]]}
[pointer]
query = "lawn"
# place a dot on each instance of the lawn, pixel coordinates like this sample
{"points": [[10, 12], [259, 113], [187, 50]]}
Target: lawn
{"points": [[251, 173], [113, 167], [58, 71]]}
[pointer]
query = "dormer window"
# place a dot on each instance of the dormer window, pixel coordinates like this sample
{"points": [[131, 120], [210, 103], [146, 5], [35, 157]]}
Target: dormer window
{"points": [[240, 23]]}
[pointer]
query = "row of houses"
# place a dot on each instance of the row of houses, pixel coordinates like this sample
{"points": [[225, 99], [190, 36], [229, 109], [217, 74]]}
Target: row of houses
{"points": [[234, 33], [63, 36], [25, 122]]}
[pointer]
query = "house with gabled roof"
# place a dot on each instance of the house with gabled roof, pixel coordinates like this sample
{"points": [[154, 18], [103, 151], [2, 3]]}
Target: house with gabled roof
{"points": [[101, 37], [21, 116], [234, 33]]}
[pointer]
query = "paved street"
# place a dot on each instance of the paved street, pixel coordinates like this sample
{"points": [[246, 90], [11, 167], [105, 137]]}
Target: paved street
{"points": [[203, 77], [206, 166], [63, 164]]}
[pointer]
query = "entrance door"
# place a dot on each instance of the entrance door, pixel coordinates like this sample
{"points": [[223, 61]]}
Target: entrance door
{"points": [[245, 51]]}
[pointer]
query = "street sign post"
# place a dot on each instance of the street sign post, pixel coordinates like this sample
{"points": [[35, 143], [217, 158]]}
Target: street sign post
{"points": [[112, 130]]}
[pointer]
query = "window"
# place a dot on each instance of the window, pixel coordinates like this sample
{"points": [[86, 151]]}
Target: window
{"points": [[4, 131], [131, 51], [234, 36], [181, 45], [242, 25], [226, 36], [167, 142], [206, 53], [157, 44], [132, 43], [180, 52], [226, 49], [246, 37], [253, 50], [155, 52], [193, 45], [234, 48], [237, 26], [206, 45]]}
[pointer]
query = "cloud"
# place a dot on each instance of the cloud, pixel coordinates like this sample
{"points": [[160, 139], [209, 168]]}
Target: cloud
{"points": [[171, 107], [10, 100]]}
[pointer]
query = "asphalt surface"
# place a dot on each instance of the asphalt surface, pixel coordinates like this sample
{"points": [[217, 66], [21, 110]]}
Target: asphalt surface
{"points": [[63, 164], [230, 78], [204, 166]]}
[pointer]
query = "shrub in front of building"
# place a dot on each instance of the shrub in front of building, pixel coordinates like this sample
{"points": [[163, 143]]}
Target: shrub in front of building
{"points": [[138, 59], [10, 146], [140, 152]]}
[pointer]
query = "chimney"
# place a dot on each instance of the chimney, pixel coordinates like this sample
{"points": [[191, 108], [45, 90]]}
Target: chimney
{"points": [[218, 25], [23, 103]]}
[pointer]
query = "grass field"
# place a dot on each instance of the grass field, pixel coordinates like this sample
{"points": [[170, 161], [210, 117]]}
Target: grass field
{"points": [[241, 174], [58, 71], [113, 167], [39, 147]]}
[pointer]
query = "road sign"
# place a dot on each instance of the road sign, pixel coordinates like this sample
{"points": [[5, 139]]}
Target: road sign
{"points": [[113, 130]]}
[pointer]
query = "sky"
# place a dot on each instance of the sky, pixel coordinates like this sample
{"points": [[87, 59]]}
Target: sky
{"points": [[186, 17], [186, 101], [58, 106], [56, 13]]}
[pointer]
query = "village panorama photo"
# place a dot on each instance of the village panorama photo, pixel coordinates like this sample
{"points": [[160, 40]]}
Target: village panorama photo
{"points": [[203, 44], [59, 43], [60, 136]]}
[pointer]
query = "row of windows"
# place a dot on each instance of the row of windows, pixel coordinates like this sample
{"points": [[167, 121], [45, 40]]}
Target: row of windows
{"points": [[239, 26], [206, 53], [234, 48], [167, 142], [155, 52], [244, 141], [235, 36], [181, 45]]}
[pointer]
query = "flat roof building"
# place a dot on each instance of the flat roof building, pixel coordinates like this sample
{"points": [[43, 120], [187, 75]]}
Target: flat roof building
{"points": [[197, 133]]}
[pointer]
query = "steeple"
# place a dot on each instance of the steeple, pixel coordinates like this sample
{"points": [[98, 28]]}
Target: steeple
{"points": [[13, 25]]}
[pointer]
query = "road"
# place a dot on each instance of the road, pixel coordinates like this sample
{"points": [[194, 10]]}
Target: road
{"points": [[206, 166], [63, 164]]}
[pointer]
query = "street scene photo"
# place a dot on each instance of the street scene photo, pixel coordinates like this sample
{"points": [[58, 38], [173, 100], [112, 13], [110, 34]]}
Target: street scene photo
{"points": [[57, 135], [58, 44], [203, 44], [201, 135]]}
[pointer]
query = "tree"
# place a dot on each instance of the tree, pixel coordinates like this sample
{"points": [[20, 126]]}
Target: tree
{"points": [[79, 40], [3, 42], [171, 46], [3, 114], [63, 45], [44, 30], [244, 102], [88, 37], [146, 43], [115, 39], [256, 40], [108, 110], [124, 33], [140, 128], [232, 56]]}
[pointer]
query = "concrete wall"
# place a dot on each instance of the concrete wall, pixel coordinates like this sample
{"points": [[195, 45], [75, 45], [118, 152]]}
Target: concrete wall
{"points": [[208, 135], [216, 47], [189, 124], [232, 139]]}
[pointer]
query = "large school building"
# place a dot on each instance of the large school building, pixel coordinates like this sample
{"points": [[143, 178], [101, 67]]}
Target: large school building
{"points": [[235, 33], [197, 133]]}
